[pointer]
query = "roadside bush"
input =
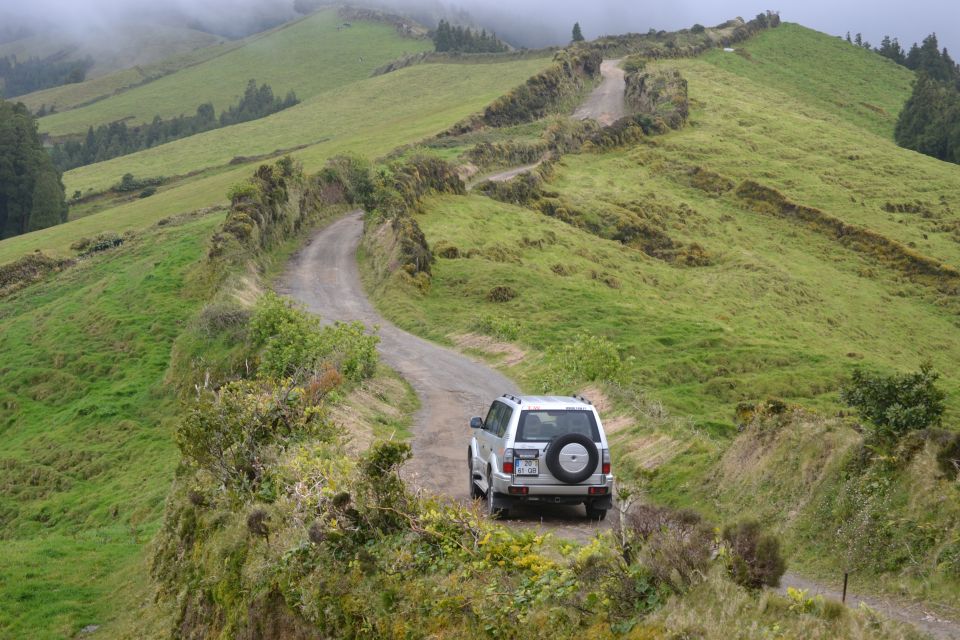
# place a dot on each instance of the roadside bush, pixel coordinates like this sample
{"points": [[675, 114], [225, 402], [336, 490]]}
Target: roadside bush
{"points": [[674, 545], [292, 342], [501, 294], [242, 191], [586, 358], [754, 558], [227, 433], [493, 326], [146, 193], [896, 404]]}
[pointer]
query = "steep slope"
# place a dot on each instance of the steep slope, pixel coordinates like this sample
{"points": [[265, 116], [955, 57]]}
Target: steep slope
{"points": [[764, 250], [309, 56]]}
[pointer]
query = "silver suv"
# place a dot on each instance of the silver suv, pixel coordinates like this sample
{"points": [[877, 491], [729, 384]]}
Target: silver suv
{"points": [[540, 449]]}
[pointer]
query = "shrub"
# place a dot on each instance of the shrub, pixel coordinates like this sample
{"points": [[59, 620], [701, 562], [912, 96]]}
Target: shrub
{"points": [[948, 457], [586, 358], [27, 270], [754, 558], [496, 327], [101, 242], [697, 28], [146, 193], [501, 294], [242, 191], [292, 342], [675, 545], [896, 404], [446, 250]]}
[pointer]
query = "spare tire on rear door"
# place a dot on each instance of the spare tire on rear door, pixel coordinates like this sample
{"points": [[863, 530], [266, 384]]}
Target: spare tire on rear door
{"points": [[572, 458]]}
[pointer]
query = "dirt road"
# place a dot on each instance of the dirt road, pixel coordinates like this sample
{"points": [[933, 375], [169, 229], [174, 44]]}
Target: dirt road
{"points": [[606, 104], [916, 614], [452, 388]]}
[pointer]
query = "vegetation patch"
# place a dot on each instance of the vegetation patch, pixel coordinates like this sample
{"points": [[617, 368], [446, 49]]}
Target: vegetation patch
{"points": [[27, 270], [928, 270]]}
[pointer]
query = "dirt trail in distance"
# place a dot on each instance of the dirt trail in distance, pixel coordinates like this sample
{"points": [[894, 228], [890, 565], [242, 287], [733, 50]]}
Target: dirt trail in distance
{"points": [[324, 277], [607, 103]]}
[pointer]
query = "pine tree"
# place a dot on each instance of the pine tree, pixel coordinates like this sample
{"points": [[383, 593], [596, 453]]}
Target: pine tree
{"points": [[31, 193], [577, 33]]}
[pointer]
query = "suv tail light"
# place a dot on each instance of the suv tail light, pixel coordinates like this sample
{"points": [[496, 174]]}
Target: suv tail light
{"points": [[606, 461], [508, 461]]}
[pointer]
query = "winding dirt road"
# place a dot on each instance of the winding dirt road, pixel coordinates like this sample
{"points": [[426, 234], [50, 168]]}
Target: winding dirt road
{"points": [[607, 103], [452, 388]]}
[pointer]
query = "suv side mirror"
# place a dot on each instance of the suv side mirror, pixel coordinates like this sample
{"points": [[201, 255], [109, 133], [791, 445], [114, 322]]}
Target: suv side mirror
{"points": [[476, 423]]}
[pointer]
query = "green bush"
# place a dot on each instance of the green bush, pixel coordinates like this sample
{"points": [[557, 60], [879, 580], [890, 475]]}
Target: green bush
{"points": [[896, 404], [586, 358], [291, 342], [501, 294], [242, 191], [754, 558], [500, 328]]}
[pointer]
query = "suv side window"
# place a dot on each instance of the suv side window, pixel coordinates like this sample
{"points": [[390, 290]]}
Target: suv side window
{"points": [[497, 419], [505, 416]]}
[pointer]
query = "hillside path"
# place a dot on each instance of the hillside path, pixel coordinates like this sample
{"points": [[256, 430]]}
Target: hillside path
{"points": [[452, 387], [914, 613], [607, 103]]}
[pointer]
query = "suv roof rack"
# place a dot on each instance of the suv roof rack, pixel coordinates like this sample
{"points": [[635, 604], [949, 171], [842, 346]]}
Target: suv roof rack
{"points": [[512, 397], [581, 399]]}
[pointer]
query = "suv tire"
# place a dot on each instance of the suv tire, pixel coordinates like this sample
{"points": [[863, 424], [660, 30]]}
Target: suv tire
{"points": [[493, 512], [553, 458], [595, 514], [474, 491]]}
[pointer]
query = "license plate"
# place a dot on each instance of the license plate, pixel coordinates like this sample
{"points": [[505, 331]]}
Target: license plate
{"points": [[527, 467]]}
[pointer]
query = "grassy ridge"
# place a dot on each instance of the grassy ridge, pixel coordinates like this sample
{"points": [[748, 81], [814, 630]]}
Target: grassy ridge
{"points": [[424, 93], [309, 56], [828, 74], [87, 448], [369, 122]]}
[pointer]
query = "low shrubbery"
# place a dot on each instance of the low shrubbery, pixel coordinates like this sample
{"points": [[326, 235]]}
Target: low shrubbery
{"points": [[27, 270], [897, 404], [753, 556]]}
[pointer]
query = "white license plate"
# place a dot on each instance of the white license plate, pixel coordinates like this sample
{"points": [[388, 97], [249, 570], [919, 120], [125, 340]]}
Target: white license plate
{"points": [[527, 467]]}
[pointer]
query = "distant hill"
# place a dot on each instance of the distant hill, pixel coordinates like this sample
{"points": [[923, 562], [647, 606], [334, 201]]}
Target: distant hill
{"points": [[123, 47]]}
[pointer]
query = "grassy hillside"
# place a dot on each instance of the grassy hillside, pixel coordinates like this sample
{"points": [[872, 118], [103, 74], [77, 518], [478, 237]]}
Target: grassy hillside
{"points": [[86, 425], [70, 96], [370, 118], [309, 56], [715, 298], [827, 73]]}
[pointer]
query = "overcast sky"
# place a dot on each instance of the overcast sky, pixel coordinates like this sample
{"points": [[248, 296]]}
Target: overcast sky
{"points": [[549, 21]]}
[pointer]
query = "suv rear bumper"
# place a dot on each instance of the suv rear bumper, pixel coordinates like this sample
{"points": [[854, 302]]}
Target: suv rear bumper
{"points": [[573, 493]]}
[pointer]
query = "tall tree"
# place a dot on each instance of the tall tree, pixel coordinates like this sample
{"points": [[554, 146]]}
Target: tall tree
{"points": [[31, 191], [577, 33]]}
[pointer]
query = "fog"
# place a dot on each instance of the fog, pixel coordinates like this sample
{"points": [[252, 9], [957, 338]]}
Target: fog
{"points": [[530, 23]]}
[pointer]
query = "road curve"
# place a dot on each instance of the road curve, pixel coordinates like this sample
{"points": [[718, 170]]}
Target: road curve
{"points": [[607, 103], [325, 278]]}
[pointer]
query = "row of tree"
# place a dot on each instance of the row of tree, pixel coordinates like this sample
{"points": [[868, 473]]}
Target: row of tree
{"points": [[34, 74], [448, 38], [927, 56], [117, 139], [930, 120], [31, 192]]}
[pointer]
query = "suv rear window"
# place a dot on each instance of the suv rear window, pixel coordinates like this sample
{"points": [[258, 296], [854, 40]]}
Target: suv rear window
{"points": [[544, 426]]}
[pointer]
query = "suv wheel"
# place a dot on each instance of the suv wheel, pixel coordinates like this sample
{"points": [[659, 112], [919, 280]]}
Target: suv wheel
{"points": [[493, 512], [473, 490], [594, 513]]}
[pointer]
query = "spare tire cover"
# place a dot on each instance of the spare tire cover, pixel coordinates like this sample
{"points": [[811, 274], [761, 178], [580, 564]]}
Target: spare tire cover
{"points": [[572, 458]]}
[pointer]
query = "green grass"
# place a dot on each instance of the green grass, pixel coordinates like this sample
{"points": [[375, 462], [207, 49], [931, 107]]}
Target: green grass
{"points": [[370, 118], [70, 96], [378, 113], [781, 310], [831, 76], [88, 454], [309, 56]]}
